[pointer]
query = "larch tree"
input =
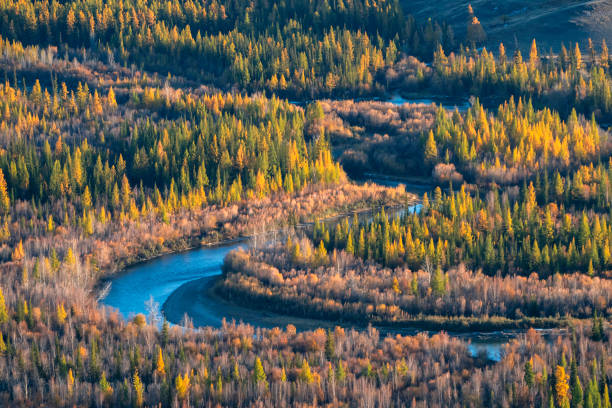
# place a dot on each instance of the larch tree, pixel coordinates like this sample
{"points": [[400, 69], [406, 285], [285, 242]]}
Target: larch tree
{"points": [[259, 375], [561, 388]]}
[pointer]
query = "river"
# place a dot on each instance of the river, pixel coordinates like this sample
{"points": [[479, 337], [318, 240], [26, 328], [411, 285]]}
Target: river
{"points": [[180, 284], [449, 103]]}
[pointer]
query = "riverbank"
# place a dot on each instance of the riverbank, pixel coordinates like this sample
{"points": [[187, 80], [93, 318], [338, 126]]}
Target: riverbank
{"points": [[430, 323], [199, 300], [205, 307], [205, 303], [216, 226]]}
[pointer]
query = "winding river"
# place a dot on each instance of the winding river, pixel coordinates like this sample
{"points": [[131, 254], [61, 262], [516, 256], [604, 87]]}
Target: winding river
{"points": [[182, 282], [180, 286]]}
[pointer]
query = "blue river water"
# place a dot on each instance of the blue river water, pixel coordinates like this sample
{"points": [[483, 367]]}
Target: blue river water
{"points": [[158, 279]]}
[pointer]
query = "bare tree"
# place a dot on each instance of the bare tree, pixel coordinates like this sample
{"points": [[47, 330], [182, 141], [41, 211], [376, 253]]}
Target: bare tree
{"points": [[153, 311], [429, 268]]}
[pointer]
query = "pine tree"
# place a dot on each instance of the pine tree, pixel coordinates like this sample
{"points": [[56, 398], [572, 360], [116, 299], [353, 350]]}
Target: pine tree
{"points": [[350, 247], [110, 98], [259, 375], [529, 375], [396, 288], [438, 282], [50, 224], [160, 366], [597, 331], [165, 333], [414, 285], [25, 277], [60, 313], [5, 202], [502, 54], [69, 259], [340, 373], [296, 255], [3, 347], [70, 381], [182, 384], [138, 390], [106, 388], [305, 373], [321, 254], [19, 252], [86, 199], [534, 59], [236, 372], [561, 388], [577, 57], [4, 317], [361, 245], [431, 149], [475, 32], [330, 346], [576, 388]]}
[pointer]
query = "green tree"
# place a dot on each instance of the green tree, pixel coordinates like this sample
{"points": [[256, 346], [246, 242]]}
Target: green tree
{"points": [[305, 373], [438, 282], [529, 375], [138, 389], [431, 149], [5, 201], [350, 247], [3, 310], [259, 375], [340, 373], [414, 285], [330, 346], [576, 388]]}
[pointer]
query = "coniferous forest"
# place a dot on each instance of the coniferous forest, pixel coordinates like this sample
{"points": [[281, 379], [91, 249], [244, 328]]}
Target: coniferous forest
{"points": [[397, 193]]}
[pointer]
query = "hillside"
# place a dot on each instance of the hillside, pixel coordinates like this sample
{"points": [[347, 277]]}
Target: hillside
{"points": [[522, 20]]}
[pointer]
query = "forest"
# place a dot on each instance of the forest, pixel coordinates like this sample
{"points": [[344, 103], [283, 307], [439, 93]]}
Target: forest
{"points": [[131, 130], [549, 233]]}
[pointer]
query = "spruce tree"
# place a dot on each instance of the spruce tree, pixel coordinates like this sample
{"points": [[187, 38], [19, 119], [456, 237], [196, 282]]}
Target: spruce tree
{"points": [[529, 375], [259, 376], [330, 346]]}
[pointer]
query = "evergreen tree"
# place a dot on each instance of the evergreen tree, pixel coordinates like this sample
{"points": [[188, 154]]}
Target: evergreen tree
{"points": [[438, 282], [330, 346], [529, 375], [576, 388], [305, 374], [5, 202], [259, 376], [4, 317], [431, 149]]}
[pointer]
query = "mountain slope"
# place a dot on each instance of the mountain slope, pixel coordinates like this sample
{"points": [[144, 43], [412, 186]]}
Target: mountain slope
{"points": [[519, 21]]}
